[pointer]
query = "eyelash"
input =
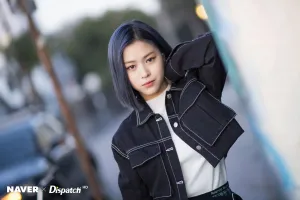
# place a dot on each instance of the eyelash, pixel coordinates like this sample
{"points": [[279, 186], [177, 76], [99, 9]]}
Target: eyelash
{"points": [[130, 67], [152, 58], [133, 66]]}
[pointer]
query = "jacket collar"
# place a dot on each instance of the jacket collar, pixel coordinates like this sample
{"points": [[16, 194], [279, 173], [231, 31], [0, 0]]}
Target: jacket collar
{"points": [[142, 116]]}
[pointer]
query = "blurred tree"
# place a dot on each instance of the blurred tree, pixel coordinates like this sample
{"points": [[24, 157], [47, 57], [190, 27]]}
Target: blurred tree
{"points": [[87, 43], [23, 50]]}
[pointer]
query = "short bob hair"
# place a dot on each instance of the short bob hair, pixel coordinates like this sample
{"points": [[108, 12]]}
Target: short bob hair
{"points": [[124, 35]]}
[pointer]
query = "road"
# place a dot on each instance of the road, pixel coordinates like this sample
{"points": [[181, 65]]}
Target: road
{"points": [[249, 173]]}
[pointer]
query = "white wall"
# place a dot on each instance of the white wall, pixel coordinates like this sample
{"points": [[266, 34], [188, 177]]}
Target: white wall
{"points": [[263, 38]]}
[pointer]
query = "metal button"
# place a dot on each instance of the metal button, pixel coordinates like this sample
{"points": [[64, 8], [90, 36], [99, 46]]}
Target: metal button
{"points": [[169, 96], [179, 182], [175, 124], [170, 149], [198, 147], [159, 119]]}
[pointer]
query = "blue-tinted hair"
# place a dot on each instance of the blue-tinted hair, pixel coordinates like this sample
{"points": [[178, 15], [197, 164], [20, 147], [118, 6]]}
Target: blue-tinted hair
{"points": [[124, 35]]}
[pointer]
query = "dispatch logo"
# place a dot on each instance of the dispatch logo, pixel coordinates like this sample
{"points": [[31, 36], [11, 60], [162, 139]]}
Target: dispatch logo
{"points": [[61, 191]]}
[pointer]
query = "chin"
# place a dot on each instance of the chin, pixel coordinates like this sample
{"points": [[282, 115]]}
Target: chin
{"points": [[151, 91]]}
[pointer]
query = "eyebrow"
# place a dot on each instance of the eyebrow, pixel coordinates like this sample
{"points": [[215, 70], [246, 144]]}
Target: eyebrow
{"points": [[143, 57]]}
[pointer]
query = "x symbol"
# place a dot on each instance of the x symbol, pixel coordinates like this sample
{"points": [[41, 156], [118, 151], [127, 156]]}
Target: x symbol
{"points": [[44, 189]]}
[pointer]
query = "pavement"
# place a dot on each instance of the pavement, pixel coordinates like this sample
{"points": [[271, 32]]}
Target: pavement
{"points": [[249, 172]]}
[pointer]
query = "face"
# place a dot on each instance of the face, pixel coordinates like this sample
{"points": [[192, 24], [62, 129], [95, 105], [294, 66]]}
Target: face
{"points": [[145, 68]]}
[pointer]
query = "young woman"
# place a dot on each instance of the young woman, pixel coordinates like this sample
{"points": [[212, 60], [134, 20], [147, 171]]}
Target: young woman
{"points": [[173, 145]]}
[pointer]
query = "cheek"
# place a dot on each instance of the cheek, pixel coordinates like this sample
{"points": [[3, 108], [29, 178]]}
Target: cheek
{"points": [[133, 80], [159, 69]]}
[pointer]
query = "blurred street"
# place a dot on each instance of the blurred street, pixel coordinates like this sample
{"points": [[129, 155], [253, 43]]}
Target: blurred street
{"points": [[249, 173]]}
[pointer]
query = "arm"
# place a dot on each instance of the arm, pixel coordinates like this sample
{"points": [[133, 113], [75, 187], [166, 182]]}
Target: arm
{"points": [[131, 185], [200, 55]]}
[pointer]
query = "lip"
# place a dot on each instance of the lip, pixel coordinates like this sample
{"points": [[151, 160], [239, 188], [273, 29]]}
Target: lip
{"points": [[148, 84]]}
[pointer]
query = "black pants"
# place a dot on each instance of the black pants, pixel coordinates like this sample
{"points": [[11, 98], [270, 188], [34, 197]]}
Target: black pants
{"points": [[222, 193]]}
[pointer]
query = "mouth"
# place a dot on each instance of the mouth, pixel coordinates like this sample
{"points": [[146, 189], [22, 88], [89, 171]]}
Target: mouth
{"points": [[148, 84]]}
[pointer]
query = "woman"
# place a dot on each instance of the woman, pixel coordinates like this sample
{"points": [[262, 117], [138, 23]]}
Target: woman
{"points": [[173, 145]]}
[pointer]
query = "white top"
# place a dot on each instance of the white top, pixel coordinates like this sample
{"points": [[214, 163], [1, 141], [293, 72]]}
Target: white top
{"points": [[199, 175]]}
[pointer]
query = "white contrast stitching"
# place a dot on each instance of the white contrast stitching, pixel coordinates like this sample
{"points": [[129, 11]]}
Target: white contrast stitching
{"points": [[167, 178], [225, 127], [163, 166], [146, 160], [186, 85], [149, 115], [220, 101], [169, 161], [173, 89], [173, 106], [185, 43], [138, 117], [148, 144], [119, 151], [198, 143], [170, 62], [192, 102], [217, 135], [173, 116], [174, 69]]}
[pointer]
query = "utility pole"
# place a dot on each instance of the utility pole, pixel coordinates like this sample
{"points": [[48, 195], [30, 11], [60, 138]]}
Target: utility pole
{"points": [[44, 57]]}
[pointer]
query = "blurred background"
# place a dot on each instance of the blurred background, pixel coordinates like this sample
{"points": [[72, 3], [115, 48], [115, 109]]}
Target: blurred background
{"points": [[33, 133]]}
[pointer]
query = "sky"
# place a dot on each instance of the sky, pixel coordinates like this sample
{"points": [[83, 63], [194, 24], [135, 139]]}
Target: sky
{"points": [[52, 15]]}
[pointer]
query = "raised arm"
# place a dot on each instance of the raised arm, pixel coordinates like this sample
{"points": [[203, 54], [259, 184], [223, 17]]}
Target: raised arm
{"points": [[202, 56]]}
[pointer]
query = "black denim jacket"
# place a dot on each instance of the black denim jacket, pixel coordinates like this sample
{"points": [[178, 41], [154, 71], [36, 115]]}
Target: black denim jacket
{"points": [[143, 147]]}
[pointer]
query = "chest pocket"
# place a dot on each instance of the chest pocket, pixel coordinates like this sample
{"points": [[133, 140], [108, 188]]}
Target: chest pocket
{"points": [[202, 114], [150, 166]]}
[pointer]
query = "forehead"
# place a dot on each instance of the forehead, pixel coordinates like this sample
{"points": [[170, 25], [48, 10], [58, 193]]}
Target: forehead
{"points": [[137, 50]]}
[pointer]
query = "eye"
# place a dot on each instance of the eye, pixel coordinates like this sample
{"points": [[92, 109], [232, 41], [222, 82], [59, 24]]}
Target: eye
{"points": [[131, 67], [150, 59]]}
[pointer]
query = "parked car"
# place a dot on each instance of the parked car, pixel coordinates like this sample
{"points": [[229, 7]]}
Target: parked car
{"points": [[36, 150]]}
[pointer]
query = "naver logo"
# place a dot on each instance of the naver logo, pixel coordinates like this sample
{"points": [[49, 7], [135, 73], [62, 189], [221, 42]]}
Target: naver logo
{"points": [[22, 189]]}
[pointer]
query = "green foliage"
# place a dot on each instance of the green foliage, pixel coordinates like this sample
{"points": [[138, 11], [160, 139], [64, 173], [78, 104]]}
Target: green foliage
{"points": [[23, 50], [87, 43]]}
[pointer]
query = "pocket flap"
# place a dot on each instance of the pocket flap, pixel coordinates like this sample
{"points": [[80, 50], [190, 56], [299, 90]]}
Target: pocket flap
{"points": [[140, 156], [190, 93]]}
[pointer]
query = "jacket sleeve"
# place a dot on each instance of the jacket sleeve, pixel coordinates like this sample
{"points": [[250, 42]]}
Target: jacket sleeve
{"points": [[202, 56], [130, 184]]}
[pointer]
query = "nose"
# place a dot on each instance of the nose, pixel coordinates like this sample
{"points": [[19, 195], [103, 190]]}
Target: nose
{"points": [[144, 72]]}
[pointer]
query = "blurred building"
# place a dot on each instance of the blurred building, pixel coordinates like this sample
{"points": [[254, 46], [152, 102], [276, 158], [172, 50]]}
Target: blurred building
{"points": [[11, 95], [67, 76], [11, 24], [178, 20]]}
